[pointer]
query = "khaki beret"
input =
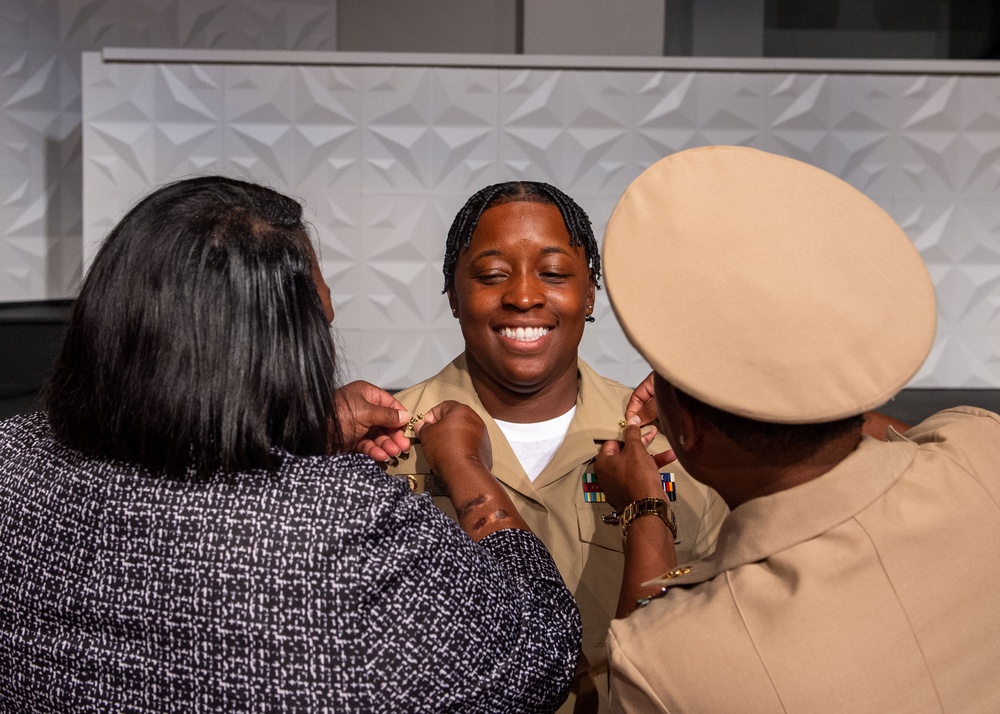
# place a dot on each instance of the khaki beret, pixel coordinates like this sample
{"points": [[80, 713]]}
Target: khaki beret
{"points": [[767, 287]]}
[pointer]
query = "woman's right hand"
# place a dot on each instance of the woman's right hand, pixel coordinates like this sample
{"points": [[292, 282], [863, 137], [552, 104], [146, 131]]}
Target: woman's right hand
{"points": [[457, 447], [454, 438]]}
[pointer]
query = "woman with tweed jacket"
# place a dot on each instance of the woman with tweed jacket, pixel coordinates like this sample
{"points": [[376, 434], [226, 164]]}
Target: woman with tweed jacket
{"points": [[183, 530]]}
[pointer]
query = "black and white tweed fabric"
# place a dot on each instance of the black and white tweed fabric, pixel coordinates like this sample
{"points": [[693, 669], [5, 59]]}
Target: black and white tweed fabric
{"points": [[325, 587]]}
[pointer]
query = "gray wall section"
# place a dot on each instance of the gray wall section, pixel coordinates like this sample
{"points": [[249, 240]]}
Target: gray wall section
{"points": [[427, 26], [728, 28], [594, 27], [30, 336]]}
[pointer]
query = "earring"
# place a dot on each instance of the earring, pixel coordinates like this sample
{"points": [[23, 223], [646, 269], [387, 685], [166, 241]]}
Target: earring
{"points": [[680, 440], [454, 312], [589, 317]]}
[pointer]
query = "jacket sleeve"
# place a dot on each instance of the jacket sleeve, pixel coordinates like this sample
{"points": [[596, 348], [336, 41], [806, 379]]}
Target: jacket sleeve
{"points": [[467, 627], [630, 691], [542, 663]]}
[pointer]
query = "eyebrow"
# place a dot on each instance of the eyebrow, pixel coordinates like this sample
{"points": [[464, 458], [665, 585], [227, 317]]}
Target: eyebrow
{"points": [[548, 250]]}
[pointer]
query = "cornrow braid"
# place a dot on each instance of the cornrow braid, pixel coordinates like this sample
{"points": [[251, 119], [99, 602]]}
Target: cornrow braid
{"points": [[576, 220]]}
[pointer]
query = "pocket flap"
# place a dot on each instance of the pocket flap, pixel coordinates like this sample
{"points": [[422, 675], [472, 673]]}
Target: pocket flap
{"points": [[594, 530]]}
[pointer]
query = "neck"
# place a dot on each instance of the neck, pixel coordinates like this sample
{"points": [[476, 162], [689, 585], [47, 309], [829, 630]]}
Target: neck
{"points": [[739, 476], [528, 404]]}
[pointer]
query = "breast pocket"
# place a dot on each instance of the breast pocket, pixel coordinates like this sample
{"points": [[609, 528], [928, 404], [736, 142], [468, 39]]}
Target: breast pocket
{"points": [[593, 528]]}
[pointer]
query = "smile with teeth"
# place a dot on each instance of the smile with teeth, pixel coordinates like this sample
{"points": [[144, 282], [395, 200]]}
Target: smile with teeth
{"points": [[524, 334]]}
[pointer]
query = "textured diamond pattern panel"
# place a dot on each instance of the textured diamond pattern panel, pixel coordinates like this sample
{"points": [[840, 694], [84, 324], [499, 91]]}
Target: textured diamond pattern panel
{"points": [[41, 173], [384, 157]]}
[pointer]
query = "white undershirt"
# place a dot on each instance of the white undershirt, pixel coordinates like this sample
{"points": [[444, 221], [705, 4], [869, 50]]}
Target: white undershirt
{"points": [[535, 444]]}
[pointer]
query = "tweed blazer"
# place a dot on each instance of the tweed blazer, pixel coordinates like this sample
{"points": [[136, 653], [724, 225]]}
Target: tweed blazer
{"points": [[873, 588], [324, 586]]}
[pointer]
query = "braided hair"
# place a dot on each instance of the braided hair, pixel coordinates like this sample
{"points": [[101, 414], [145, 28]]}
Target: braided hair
{"points": [[576, 220]]}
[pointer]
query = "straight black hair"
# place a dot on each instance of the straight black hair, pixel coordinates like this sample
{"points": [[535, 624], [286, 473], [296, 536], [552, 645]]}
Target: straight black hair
{"points": [[576, 219], [198, 341]]}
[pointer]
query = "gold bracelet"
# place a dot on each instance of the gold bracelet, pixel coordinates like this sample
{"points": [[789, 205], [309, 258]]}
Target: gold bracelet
{"points": [[648, 507]]}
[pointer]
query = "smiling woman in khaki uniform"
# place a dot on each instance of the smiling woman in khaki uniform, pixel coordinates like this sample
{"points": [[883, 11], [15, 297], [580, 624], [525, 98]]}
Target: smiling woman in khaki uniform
{"points": [[520, 272], [853, 574]]}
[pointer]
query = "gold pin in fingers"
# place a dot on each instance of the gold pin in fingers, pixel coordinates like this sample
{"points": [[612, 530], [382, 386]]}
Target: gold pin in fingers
{"points": [[410, 430]]}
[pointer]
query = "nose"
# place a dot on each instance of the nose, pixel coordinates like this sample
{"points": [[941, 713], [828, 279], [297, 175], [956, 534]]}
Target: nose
{"points": [[523, 292]]}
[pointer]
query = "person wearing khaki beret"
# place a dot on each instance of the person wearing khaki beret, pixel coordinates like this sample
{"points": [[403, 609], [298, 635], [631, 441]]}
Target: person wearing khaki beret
{"points": [[776, 304]]}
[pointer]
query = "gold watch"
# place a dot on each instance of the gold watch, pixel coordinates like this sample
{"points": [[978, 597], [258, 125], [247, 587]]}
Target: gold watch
{"points": [[648, 507]]}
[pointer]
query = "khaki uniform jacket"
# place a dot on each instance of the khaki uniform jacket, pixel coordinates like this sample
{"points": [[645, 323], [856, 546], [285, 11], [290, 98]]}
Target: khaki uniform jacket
{"points": [[587, 551], [873, 588]]}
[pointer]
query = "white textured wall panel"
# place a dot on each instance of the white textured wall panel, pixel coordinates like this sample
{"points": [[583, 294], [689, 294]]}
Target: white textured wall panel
{"points": [[385, 156], [40, 153]]}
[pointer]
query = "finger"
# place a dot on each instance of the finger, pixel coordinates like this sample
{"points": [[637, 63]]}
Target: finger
{"points": [[633, 437], [647, 437], [609, 448], [664, 457], [400, 440], [382, 398], [435, 414], [369, 449], [429, 418], [388, 446], [386, 417], [640, 397], [649, 412]]}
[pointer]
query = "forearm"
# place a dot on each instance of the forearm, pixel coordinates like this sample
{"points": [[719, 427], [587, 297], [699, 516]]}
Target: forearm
{"points": [[649, 553], [482, 505]]}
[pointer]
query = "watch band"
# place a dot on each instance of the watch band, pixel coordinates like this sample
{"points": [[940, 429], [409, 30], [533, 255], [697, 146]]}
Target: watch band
{"points": [[648, 507]]}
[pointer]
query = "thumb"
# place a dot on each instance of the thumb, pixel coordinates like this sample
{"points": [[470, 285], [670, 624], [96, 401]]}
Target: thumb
{"points": [[664, 457], [610, 448], [386, 417], [632, 434]]}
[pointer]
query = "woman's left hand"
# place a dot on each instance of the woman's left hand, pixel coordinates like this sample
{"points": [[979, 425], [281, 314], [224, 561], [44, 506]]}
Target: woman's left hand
{"points": [[627, 472], [641, 407]]}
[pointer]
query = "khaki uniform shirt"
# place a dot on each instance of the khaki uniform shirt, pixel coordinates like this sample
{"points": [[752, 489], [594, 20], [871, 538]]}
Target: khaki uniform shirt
{"points": [[873, 588], [587, 551]]}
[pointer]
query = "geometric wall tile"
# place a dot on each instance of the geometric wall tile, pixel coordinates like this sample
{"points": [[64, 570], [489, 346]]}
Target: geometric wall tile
{"points": [[384, 156], [41, 173]]}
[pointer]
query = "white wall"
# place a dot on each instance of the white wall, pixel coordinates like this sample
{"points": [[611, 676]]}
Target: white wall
{"points": [[41, 41], [384, 155], [40, 133]]}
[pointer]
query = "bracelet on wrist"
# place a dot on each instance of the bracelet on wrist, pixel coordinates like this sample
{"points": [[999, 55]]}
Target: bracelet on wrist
{"points": [[648, 507]]}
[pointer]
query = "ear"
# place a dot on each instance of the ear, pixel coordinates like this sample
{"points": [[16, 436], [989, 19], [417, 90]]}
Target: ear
{"points": [[591, 295], [453, 302], [690, 426]]}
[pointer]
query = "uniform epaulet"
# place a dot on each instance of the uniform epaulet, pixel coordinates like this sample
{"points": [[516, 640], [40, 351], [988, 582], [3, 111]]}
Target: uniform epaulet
{"points": [[675, 573]]}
